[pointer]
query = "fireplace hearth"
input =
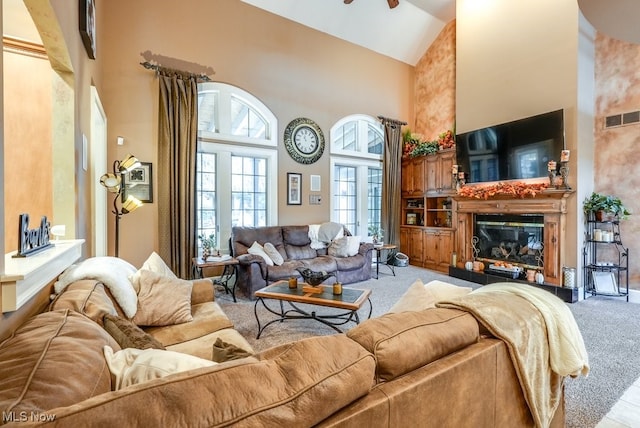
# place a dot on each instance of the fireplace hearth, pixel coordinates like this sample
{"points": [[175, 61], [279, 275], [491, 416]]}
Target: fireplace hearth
{"points": [[515, 239]]}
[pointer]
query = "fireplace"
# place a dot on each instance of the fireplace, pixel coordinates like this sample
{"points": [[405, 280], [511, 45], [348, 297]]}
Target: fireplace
{"points": [[516, 239], [529, 228]]}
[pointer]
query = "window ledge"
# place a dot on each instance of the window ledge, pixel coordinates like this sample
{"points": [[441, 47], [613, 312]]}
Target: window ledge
{"points": [[25, 277]]}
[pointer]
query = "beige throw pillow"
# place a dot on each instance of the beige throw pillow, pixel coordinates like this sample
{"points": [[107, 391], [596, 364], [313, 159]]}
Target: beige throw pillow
{"points": [[154, 263], [347, 246], [273, 253], [419, 296], [258, 250], [132, 366], [162, 300]]}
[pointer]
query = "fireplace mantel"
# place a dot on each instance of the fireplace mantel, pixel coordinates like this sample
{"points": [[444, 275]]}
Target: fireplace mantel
{"points": [[551, 203], [24, 277]]}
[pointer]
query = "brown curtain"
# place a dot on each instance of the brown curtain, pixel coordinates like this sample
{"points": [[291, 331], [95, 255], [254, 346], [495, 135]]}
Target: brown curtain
{"points": [[391, 180], [177, 142]]}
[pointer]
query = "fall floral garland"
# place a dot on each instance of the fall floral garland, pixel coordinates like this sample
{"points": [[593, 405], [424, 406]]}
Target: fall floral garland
{"points": [[518, 189]]}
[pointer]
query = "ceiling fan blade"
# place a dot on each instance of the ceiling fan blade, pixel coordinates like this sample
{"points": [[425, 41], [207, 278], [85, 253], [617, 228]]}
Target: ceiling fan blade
{"points": [[393, 3], [347, 1]]}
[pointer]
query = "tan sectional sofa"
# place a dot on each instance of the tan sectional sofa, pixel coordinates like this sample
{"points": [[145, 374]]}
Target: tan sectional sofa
{"points": [[425, 368]]}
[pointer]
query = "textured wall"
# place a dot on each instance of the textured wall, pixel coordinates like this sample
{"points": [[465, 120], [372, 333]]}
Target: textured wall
{"points": [[435, 86], [27, 143], [617, 170]]}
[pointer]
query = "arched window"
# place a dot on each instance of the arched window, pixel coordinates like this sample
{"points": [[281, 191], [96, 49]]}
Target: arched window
{"points": [[357, 143], [228, 113], [234, 181]]}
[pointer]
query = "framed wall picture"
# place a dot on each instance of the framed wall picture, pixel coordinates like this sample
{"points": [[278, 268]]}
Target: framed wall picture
{"points": [[139, 183], [87, 19], [294, 188]]}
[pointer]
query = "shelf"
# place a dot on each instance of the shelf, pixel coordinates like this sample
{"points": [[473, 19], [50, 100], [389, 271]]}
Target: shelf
{"points": [[605, 280], [606, 268]]}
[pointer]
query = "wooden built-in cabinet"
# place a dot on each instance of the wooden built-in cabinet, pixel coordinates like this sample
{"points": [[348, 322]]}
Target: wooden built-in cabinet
{"points": [[428, 210]]}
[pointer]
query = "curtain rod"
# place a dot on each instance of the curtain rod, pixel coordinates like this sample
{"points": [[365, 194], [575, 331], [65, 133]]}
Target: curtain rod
{"points": [[158, 68], [392, 121]]}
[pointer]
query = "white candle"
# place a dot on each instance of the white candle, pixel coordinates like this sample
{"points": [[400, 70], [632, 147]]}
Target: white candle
{"points": [[564, 156]]}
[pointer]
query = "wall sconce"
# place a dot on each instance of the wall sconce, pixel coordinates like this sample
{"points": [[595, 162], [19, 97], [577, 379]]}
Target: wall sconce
{"points": [[112, 182]]}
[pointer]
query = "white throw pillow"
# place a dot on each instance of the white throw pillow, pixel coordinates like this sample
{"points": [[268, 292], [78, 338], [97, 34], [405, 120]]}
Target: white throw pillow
{"points": [[258, 250], [131, 366], [347, 246], [419, 296], [273, 253], [154, 263]]}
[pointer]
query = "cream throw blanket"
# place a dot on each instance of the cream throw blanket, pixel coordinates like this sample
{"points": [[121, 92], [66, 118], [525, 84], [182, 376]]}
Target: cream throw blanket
{"points": [[541, 333]]}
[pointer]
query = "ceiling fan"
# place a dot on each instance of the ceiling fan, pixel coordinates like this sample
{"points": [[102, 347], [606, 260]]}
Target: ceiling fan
{"points": [[392, 3]]}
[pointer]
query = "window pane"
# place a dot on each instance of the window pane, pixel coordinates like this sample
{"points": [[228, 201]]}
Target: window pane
{"points": [[375, 140], [207, 111], [245, 121], [206, 222], [374, 198], [249, 194], [345, 196], [346, 136]]}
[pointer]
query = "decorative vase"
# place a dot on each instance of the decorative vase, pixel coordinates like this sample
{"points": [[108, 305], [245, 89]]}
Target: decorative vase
{"points": [[539, 278], [206, 252], [468, 265]]}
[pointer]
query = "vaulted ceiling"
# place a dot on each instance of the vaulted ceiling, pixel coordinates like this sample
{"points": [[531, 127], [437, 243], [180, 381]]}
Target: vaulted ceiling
{"points": [[403, 32]]}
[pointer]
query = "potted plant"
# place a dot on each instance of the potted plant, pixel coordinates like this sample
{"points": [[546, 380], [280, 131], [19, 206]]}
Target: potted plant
{"points": [[208, 243], [604, 207], [376, 233]]}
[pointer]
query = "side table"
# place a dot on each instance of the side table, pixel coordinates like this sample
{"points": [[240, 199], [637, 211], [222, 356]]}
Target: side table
{"points": [[379, 249], [229, 270]]}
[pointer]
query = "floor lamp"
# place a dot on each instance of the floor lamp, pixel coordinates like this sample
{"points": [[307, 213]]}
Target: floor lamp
{"points": [[113, 181]]}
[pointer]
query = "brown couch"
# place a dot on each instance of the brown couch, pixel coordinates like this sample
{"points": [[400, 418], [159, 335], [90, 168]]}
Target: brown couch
{"points": [[294, 244], [426, 368]]}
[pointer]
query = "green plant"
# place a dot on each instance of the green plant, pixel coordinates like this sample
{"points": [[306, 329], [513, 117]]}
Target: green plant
{"points": [[207, 242], [607, 203], [425, 148], [376, 231]]}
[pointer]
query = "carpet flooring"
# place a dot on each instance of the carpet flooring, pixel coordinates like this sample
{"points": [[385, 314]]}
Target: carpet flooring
{"points": [[610, 328]]}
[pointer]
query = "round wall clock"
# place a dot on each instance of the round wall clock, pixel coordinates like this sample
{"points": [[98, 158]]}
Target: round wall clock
{"points": [[304, 140]]}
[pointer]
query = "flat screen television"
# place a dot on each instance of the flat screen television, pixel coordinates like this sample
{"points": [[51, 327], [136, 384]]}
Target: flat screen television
{"points": [[511, 151]]}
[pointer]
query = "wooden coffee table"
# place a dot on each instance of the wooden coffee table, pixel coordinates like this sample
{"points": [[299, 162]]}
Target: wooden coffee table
{"points": [[351, 300]]}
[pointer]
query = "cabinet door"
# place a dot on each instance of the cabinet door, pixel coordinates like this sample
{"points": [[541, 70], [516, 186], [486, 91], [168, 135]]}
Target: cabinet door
{"points": [[415, 255], [418, 175], [447, 159], [430, 249], [413, 176], [445, 248], [432, 171], [407, 177], [405, 240]]}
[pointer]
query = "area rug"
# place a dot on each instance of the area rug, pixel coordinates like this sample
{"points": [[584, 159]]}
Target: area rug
{"points": [[610, 328]]}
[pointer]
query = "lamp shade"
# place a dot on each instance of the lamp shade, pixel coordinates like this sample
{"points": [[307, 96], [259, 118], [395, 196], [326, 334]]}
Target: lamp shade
{"points": [[111, 182], [128, 163], [131, 204]]}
